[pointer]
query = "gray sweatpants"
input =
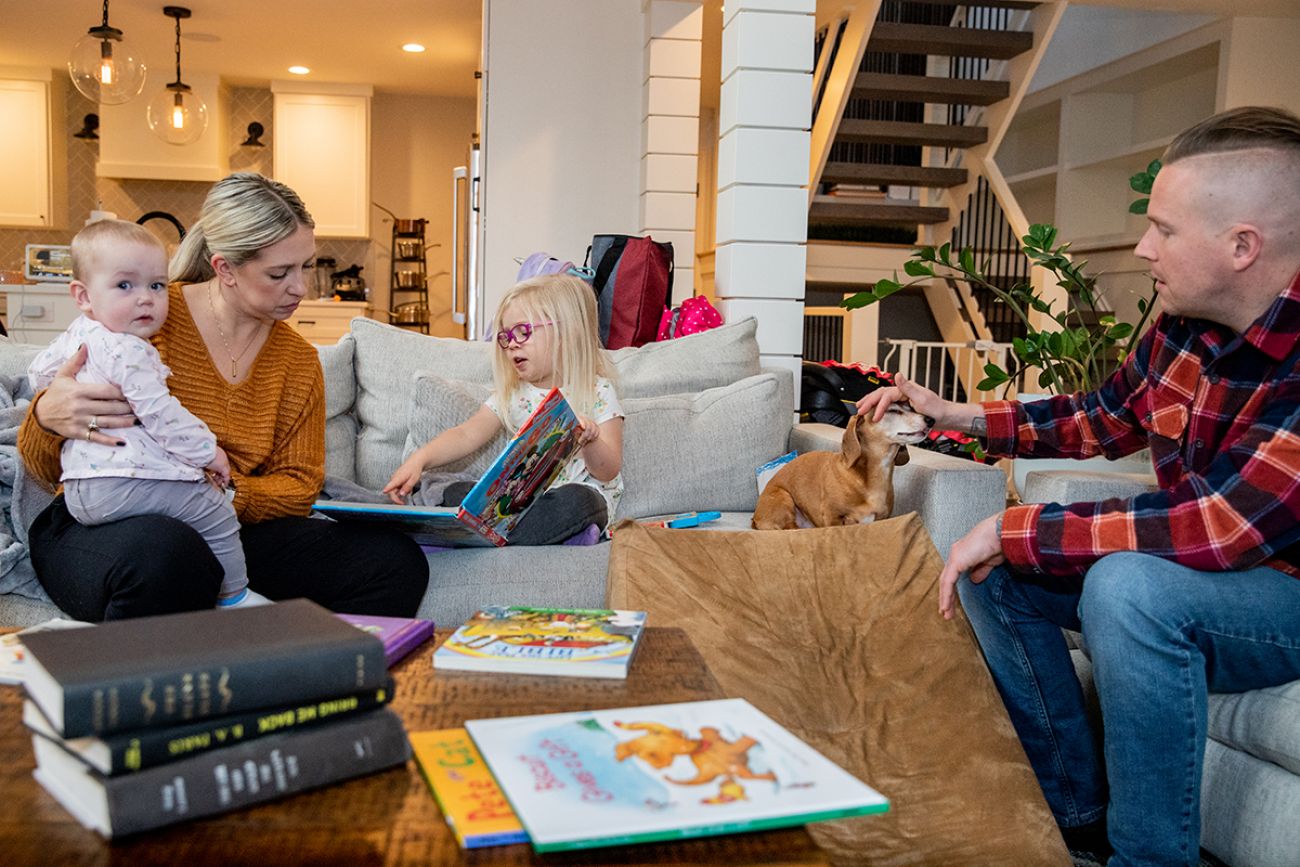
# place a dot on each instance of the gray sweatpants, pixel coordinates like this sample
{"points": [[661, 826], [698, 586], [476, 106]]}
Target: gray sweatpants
{"points": [[105, 499]]}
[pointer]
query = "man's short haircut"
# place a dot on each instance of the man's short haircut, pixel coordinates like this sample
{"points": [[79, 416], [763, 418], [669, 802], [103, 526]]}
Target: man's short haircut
{"points": [[1238, 129], [89, 239]]}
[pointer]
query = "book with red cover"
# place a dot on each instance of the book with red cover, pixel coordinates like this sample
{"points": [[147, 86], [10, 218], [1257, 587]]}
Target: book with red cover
{"points": [[400, 635]]}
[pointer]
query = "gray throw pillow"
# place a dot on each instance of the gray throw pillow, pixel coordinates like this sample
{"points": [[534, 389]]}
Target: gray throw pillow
{"points": [[440, 404], [713, 358], [683, 452]]}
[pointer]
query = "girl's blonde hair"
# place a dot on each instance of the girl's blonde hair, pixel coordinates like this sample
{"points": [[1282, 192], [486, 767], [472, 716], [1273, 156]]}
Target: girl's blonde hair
{"points": [[243, 214], [576, 354]]}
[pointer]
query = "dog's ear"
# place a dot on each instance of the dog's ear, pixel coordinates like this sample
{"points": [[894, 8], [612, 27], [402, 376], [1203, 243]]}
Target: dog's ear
{"points": [[851, 445], [901, 456]]}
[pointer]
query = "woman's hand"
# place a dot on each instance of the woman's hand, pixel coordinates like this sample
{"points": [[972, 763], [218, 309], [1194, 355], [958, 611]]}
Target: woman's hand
{"points": [[82, 410], [399, 487]]}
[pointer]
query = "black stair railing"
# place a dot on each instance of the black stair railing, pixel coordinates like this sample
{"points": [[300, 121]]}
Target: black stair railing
{"points": [[984, 227]]}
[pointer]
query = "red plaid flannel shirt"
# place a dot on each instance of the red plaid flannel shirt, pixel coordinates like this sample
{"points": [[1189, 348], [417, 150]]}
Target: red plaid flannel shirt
{"points": [[1221, 415]]}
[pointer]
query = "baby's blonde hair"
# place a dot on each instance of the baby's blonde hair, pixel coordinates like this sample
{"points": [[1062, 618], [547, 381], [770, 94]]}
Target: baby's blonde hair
{"points": [[576, 354], [87, 243]]}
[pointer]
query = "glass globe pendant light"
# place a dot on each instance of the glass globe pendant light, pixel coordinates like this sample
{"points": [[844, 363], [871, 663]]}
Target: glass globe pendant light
{"points": [[176, 113], [104, 67]]}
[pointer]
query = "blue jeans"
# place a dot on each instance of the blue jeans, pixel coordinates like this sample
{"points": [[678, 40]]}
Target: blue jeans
{"points": [[1160, 637]]}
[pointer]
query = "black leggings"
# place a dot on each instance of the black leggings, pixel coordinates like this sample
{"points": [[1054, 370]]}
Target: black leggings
{"points": [[159, 565], [559, 513]]}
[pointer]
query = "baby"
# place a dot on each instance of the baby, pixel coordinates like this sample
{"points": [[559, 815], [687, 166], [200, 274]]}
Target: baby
{"points": [[169, 463]]}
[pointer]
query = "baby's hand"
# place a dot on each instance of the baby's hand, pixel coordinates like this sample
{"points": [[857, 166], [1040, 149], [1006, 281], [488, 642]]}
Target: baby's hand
{"points": [[399, 487], [219, 470], [588, 431]]}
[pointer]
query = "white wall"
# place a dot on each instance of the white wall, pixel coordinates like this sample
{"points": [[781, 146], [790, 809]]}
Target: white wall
{"points": [[1092, 36], [562, 132], [415, 141]]}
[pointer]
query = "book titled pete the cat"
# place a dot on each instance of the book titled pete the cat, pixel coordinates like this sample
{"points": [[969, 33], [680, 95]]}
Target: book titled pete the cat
{"points": [[662, 772], [221, 780], [466, 792], [176, 668]]}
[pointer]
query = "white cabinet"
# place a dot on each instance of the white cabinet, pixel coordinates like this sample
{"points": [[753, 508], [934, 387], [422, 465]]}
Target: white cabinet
{"points": [[324, 322], [321, 139], [30, 155], [38, 312], [128, 149]]}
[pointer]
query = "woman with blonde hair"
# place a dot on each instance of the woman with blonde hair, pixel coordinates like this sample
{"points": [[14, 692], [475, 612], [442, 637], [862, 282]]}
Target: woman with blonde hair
{"points": [[546, 337], [239, 273]]}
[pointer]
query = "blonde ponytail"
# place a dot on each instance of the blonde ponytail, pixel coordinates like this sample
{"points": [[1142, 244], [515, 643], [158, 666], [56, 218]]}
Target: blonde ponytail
{"points": [[192, 261]]}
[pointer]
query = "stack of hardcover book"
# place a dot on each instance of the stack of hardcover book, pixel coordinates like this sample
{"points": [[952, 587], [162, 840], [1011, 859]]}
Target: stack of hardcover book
{"points": [[142, 723]]}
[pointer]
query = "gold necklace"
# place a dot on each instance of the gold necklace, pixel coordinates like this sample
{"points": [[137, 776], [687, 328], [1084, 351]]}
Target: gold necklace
{"points": [[216, 320]]}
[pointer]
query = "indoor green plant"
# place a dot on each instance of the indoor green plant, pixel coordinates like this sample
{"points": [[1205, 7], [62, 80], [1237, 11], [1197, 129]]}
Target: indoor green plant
{"points": [[1076, 348]]}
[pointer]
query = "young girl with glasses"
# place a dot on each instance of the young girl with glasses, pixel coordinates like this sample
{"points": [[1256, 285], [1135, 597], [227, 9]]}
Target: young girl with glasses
{"points": [[546, 337]]}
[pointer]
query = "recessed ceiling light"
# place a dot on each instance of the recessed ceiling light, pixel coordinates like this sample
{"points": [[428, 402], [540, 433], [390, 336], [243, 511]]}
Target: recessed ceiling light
{"points": [[299, 70], [413, 47]]}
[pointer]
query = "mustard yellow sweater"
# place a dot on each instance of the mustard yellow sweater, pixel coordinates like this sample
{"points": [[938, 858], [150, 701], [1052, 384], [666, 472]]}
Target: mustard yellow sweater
{"points": [[272, 425]]}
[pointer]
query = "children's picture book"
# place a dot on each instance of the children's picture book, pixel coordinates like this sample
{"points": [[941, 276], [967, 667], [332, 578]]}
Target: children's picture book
{"points": [[466, 792], [680, 520], [764, 473], [571, 642], [13, 654], [662, 772], [400, 635], [492, 508]]}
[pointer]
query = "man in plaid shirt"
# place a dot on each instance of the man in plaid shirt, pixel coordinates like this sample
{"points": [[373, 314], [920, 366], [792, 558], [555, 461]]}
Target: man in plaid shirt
{"points": [[1189, 589]]}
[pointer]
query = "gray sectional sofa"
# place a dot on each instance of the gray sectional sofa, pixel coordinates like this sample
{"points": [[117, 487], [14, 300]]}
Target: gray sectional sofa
{"points": [[700, 416]]}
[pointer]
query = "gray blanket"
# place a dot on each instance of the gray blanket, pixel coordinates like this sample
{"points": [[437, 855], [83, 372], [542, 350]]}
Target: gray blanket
{"points": [[21, 497]]}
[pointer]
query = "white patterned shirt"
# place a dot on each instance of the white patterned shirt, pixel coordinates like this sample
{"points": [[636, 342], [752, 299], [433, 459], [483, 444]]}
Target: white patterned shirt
{"points": [[524, 402], [169, 443]]}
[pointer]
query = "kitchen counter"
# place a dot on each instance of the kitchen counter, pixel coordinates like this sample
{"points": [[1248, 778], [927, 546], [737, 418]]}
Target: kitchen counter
{"points": [[37, 312]]}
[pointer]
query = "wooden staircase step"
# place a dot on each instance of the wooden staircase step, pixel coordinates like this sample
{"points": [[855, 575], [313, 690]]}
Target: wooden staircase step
{"points": [[912, 176], [936, 39], [997, 4], [824, 212], [928, 88], [906, 133]]}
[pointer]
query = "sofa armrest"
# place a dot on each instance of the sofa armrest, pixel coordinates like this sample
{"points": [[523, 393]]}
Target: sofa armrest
{"points": [[950, 494], [808, 436], [1084, 486]]}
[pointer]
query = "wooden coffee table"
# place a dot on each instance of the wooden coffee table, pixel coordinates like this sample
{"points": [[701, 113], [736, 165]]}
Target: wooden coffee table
{"points": [[389, 817]]}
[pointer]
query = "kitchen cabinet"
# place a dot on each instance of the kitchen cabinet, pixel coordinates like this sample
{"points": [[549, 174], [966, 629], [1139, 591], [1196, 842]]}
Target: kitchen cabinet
{"points": [[38, 312], [32, 157], [324, 322], [321, 138], [128, 149]]}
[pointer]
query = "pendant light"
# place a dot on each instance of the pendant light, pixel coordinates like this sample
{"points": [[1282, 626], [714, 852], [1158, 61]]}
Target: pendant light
{"points": [[104, 67], [176, 113]]}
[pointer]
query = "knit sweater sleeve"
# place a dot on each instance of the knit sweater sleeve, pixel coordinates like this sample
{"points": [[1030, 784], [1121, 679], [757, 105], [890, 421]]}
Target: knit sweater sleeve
{"points": [[41, 450]]}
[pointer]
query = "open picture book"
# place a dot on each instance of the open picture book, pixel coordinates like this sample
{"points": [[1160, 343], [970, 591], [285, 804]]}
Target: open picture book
{"points": [[494, 506]]}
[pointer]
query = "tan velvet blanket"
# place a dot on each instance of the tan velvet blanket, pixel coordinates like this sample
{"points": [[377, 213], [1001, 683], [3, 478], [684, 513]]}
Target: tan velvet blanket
{"points": [[836, 634]]}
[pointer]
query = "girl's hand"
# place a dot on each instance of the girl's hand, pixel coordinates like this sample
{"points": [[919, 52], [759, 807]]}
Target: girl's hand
{"points": [[399, 487], [82, 410], [588, 431]]}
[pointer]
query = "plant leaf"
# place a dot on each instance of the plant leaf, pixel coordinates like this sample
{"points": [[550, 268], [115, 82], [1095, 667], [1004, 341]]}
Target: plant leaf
{"points": [[968, 260], [1141, 183], [1139, 206], [918, 269]]}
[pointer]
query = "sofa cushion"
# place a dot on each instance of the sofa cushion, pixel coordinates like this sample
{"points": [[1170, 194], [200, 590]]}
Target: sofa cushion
{"points": [[1262, 722], [340, 394], [834, 633], [387, 359], [440, 404], [699, 451], [709, 359]]}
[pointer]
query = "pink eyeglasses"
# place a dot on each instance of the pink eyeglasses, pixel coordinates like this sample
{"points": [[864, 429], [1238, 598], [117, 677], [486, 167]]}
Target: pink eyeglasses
{"points": [[518, 334]]}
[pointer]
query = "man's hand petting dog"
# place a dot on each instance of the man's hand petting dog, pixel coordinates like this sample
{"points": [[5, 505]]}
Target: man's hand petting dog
{"points": [[976, 553]]}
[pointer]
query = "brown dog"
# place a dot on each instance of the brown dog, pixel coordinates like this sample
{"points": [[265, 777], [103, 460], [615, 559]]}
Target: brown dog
{"points": [[856, 486]]}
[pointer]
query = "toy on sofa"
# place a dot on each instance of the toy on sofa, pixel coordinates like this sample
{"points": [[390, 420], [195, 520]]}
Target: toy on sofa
{"points": [[546, 338]]}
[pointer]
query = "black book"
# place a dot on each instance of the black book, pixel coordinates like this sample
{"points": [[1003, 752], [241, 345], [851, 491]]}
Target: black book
{"points": [[221, 780], [177, 668], [128, 752]]}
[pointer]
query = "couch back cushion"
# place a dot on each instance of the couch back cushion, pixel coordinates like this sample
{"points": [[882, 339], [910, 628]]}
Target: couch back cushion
{"points": [[680, 451], [699, 451], [340, 395], [387, 359]]}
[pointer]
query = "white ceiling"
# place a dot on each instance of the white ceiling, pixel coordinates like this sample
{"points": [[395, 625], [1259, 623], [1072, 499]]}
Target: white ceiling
{"points": [[251, 42]]}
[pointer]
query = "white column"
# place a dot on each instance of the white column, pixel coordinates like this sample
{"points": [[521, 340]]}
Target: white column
{"points": [[670, 131], [764, 122]]}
